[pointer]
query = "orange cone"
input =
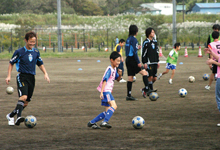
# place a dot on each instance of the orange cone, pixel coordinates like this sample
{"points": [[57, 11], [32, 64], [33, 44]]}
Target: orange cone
{"points": [[186, 53], [160, 52], [200, 52]]}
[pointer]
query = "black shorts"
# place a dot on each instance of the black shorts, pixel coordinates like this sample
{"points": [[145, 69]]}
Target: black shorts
{"points": [[152, 70], [25, 85], [132, 66], [214, 68]]}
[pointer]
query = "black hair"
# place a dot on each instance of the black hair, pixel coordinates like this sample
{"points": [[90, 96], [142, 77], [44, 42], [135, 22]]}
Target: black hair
{"points": [[114, 55], [215, 34], [121, 41], [29, 35], [176, 45], [216, 27], [133, 29], [148, 31]]}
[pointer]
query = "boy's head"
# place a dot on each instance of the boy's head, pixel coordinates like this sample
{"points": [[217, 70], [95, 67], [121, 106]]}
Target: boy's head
{"points": [[115, 58], [177, 46], [30, 35], [133, 30], [150, 32], [216, 27], [215, 34], [30, 39], [121, 42]]}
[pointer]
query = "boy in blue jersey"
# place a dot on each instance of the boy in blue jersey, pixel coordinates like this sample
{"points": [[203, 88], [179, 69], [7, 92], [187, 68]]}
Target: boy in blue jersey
{"points": [[105, 88], [133, 63], [26, 59]]}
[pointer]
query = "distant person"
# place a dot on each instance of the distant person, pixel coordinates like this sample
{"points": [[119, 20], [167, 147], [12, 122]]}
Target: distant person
{"points": [[26, 59], [116, 40], [105, 88], [150, 57], [213, 67], [171, 62], [118, 48], [133, 63]]}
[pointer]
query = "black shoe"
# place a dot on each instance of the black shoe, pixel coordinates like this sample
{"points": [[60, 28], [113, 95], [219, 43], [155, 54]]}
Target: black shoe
{"points": [[105, 124], [150, 91], [93, 125], [131, 98], [19, 120], [143, 93]]}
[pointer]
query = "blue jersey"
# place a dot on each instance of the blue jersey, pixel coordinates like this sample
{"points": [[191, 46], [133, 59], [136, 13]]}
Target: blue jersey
{"points": [[26, 60], [131, 47]]}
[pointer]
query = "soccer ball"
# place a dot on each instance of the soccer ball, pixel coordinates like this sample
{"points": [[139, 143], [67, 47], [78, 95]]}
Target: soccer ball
{"points": [[134, 78], [153, 96], [9, 90], [30, 121], [138, 122], [205, 77], [182, 92], [191, 79]]}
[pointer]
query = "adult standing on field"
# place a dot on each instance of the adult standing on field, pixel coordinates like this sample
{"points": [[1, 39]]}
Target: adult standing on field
{"points": [[26, 59], [213, 67]]}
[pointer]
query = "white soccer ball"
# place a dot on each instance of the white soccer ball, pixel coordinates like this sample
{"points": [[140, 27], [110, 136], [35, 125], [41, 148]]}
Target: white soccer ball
{"points": [[138, 122], [9, 90], [134, 78], [30, 121], [182, 92], [191, 79], [205, 77], [153, 96]]}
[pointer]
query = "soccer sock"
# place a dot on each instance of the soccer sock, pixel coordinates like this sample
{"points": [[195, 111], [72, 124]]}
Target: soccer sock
{"points": [[19, 108], [109, 113], [13, 113], [145, 80], [150, 85], [129, 87], [98, 118]]}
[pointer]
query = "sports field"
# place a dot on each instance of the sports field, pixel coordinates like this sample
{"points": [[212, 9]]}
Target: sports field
{"points": [[64, 107]]}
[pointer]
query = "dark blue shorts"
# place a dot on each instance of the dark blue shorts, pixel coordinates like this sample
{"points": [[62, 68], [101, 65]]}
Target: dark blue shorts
{"points": [[107, 98]]}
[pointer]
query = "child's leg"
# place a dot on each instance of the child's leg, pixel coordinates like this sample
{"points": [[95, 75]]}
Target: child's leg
{"points": [[173, 72], [110, 110], [165, 72], [129, 85], [99, 117]]}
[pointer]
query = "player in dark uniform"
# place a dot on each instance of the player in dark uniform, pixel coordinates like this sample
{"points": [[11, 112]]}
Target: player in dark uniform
{"points": [[150, 56], [133, 63], [26, 59]]}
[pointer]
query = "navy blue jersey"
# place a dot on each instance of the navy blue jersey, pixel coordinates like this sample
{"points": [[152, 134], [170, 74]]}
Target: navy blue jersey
{"points": [[26, 60], [131, 47]]}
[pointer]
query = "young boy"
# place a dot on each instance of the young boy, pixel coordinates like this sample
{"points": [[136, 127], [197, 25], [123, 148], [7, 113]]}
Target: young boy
{"points": [[171, 62], [105, 88], [118, 48], [26, 59], [133, 63], [150, 56], [211, 50]]}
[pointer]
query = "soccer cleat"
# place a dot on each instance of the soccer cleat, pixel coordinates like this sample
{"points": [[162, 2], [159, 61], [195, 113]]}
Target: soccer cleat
{"points": [[131, 98], [159, 76], [19, 120], [170, 81], [10, 120], [143, 93], [150, 91], [105, 124], [93, 125], [207, 87], [122, 81]]}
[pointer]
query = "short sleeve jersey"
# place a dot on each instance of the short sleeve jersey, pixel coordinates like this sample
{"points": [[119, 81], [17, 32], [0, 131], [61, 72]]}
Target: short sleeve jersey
{"points": [[26, 60], [109, 76], [131, 47], [215, 47], [173, 54]]}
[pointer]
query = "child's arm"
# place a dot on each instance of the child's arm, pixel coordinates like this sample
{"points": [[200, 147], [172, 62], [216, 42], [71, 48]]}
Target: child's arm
{"points": [[211, 61], [120, 74], [209, 51], [103, 87], [171, 57]]}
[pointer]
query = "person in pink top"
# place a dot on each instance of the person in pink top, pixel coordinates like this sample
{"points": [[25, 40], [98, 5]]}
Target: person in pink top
{"points": [[105, 88], [214, 50]]}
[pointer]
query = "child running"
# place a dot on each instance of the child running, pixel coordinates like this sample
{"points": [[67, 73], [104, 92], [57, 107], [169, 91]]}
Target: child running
{"points": [[171, 62], [105, 88]]}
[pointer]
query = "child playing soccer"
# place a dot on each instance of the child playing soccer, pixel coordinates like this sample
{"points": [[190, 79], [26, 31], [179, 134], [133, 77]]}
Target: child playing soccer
{"points": [[105, 88], [171, 62]]}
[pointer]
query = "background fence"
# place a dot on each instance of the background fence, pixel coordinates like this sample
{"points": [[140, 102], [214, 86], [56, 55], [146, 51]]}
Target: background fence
{"points": [[98, 39]]}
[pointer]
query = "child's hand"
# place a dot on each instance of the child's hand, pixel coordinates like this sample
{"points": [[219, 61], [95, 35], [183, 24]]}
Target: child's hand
{"points": [[120, 72], [101, 96], [139, 46], [210, 61], [207, 50]]}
